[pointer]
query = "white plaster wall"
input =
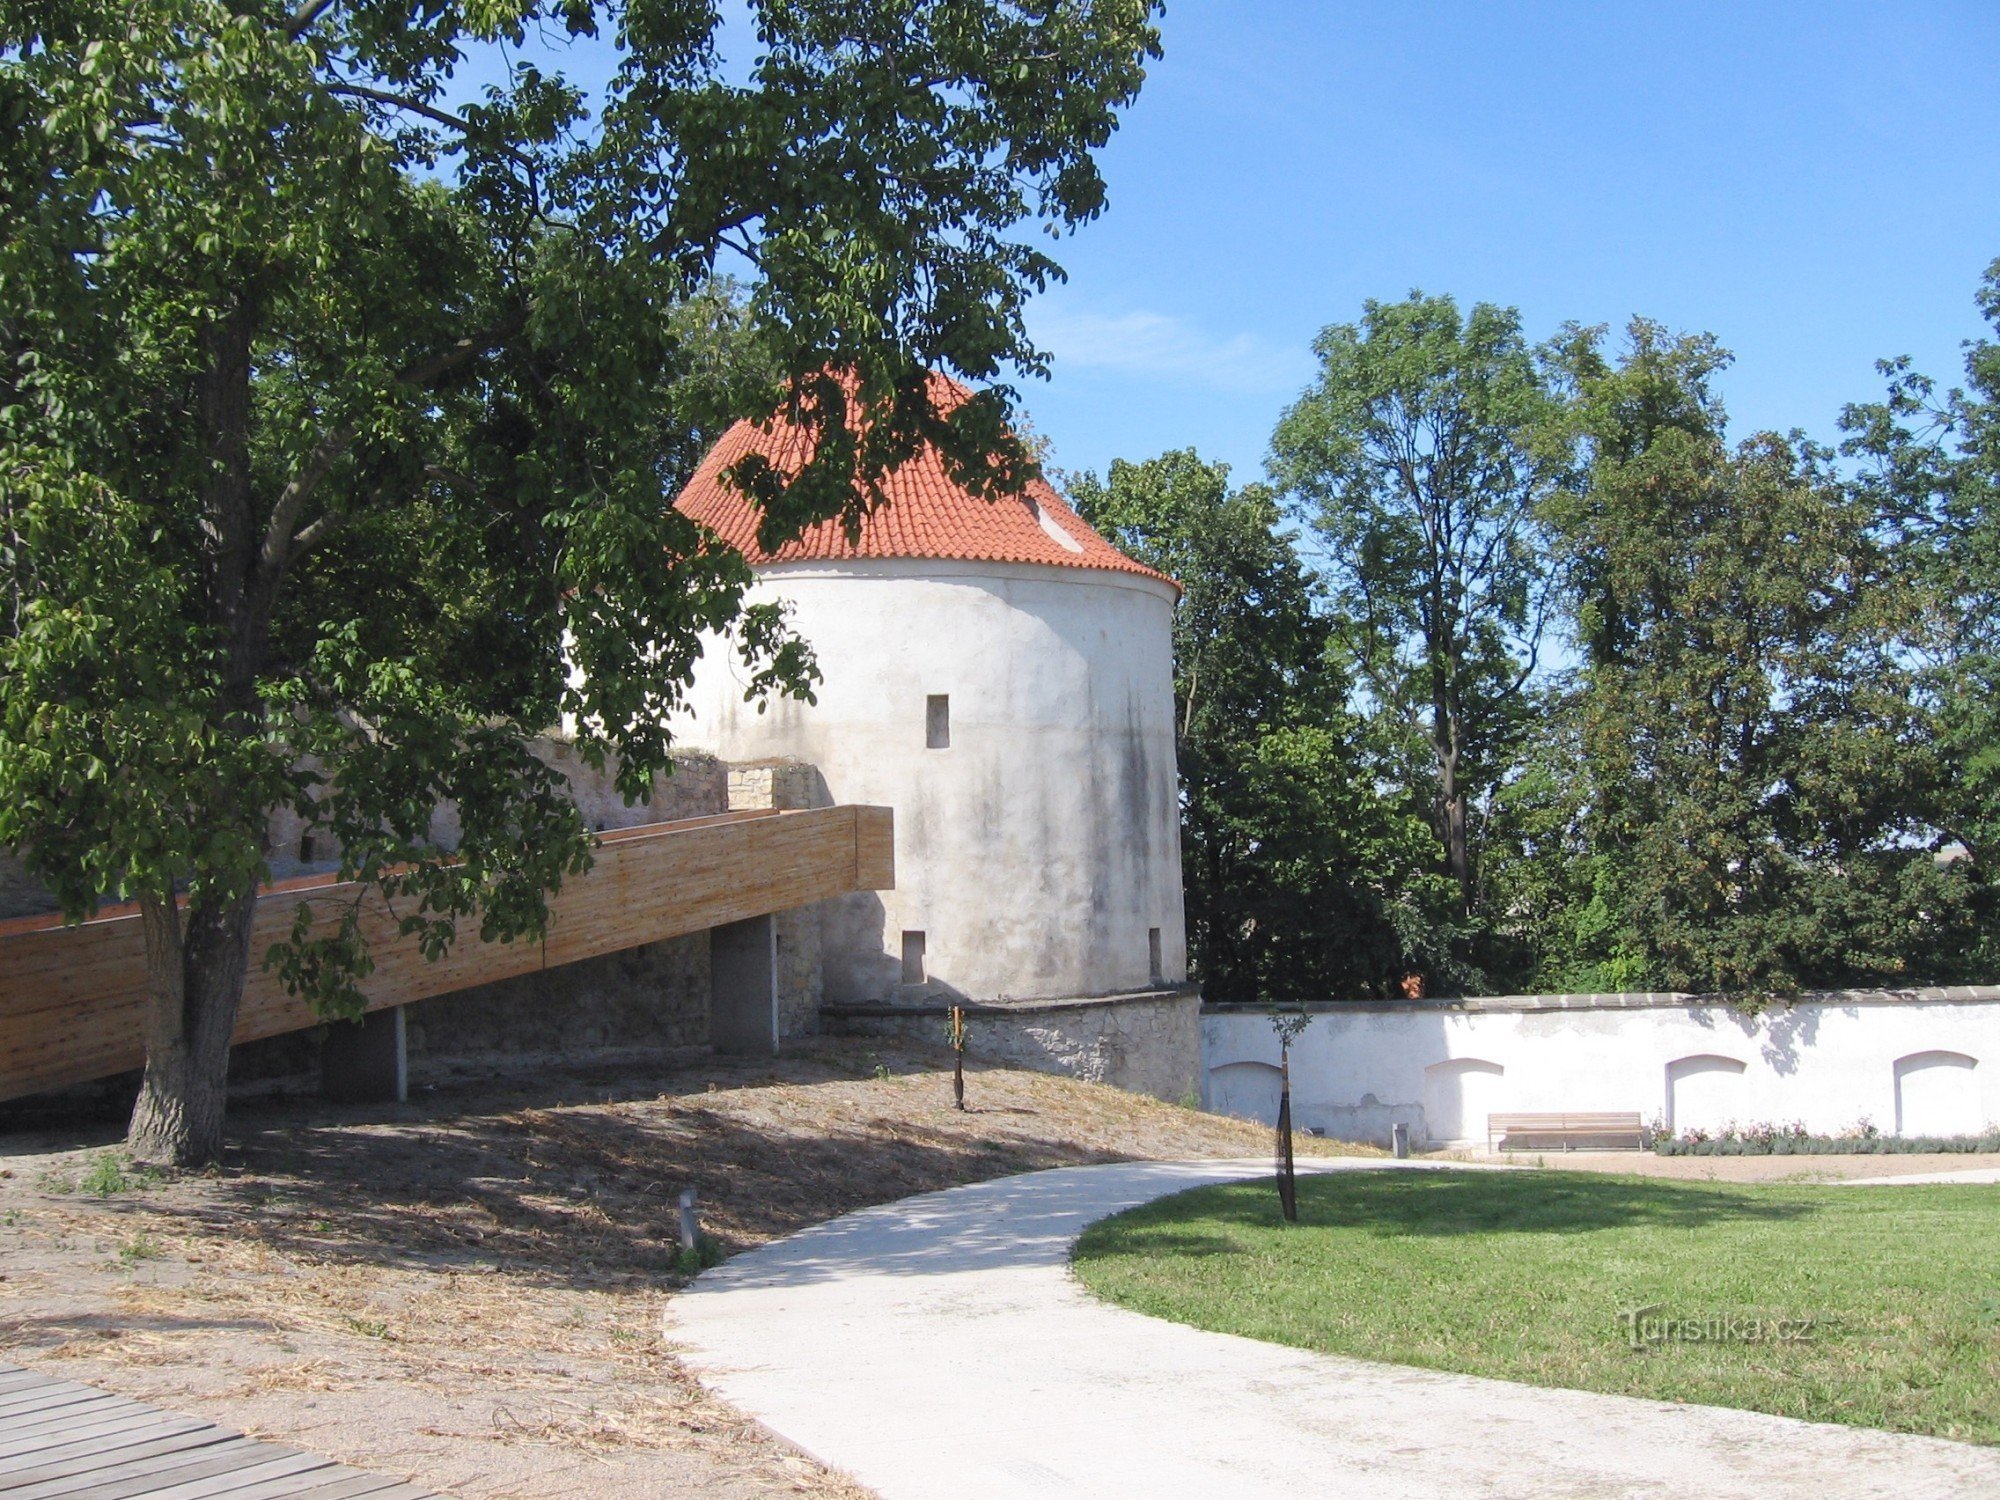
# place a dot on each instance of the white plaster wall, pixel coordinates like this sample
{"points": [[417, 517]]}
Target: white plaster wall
{"points": [[1038, 849], [1914, 1065]]}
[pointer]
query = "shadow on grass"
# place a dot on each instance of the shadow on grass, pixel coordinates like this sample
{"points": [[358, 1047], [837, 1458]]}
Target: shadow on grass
{"points": [[1396, 1204]]}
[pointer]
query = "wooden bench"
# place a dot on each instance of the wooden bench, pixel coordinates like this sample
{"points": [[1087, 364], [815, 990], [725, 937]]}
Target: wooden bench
{"points": [[1566, 1128]]}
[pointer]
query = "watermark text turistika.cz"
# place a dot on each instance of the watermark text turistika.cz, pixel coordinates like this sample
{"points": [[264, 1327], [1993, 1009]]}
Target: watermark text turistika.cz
{"points": [[1650, 1326]]}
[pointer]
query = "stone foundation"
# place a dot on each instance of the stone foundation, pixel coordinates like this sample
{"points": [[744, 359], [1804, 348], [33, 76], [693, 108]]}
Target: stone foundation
{"points": [[651, 997], [1148, 1042]]}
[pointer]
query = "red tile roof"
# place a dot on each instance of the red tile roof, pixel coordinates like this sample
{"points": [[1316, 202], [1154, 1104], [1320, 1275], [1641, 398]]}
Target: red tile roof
{"points": [[925, 514]]}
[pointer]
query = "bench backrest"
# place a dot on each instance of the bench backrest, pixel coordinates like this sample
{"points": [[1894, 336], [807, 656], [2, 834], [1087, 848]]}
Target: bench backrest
{"points": [[1617, 1121]]}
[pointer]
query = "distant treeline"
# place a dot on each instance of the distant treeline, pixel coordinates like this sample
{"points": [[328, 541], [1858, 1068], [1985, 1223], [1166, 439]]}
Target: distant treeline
{"points": [[1520, 676]]}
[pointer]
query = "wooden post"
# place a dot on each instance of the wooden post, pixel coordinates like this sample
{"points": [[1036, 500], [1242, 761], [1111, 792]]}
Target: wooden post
{"points": [[1288, 1184], [958, 1055]]}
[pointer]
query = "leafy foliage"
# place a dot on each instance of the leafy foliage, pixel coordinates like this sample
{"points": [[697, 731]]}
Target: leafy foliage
{"points": [[339, 410], [1301, 881], [1932, 472], [1417, 454], [1750, 734]]}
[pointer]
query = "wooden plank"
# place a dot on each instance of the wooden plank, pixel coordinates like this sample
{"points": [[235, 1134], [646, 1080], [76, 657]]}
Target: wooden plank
{"points": [[54, 1400], [79, 1452], [72, 997], [59, 1399], [88, 1418], [874, 849], [275, 1471], [93, 1438], [40, 1389], [135, 1471]]}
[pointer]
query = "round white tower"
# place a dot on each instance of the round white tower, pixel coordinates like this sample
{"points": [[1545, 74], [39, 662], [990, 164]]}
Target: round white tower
{"points": [[1002, 677]]}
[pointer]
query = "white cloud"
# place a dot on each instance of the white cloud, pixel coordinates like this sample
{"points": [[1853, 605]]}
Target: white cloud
{"points": [[1160, 347]]}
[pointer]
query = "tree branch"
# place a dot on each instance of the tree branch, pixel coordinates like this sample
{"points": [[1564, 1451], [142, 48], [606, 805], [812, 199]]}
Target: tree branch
{"points": [[276, 551], [464, 351], [280, 545], [432, 113], [301, 20]]}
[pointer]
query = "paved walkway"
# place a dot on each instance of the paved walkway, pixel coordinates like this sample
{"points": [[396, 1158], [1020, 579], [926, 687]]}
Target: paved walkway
{"points": [[939, 1347], [1972, 1176], [59, 1438]]}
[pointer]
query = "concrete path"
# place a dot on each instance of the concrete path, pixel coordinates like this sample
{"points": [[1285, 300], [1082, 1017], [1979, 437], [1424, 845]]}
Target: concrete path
{"points": [[1973, 1176], [938, 1349]]}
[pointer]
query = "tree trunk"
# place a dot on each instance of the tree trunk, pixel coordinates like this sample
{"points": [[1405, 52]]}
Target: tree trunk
{"points": [[196, 962], [196, 957], [1452, 810], [1458, 848]]}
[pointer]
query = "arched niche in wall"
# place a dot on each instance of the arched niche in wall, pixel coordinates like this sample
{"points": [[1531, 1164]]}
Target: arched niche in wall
{"points": [[1247, 1090], [1459, 1095], [1704, 1092], [1937, 1093]]}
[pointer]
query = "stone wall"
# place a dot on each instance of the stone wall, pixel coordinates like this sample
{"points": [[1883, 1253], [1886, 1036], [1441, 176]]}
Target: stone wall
{"points": [[1909, 1062], [698, 785], [651, 996], [1149, 1043]]}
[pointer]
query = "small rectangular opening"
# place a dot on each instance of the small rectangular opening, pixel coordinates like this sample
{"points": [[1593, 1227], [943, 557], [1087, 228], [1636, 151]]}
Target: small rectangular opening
{"points": [[1153, 954], [913, 958], [937, 722]]}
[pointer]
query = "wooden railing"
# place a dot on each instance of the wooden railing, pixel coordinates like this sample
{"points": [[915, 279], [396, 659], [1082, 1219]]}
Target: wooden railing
{"points": [[72, 996]]}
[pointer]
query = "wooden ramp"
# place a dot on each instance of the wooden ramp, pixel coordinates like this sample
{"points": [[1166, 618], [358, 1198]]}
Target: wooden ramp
{"points": [[72, 997], [58, 1438]]}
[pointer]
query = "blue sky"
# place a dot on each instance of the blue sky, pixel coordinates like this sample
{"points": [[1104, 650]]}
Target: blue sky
{"points": [[1818, 185]]}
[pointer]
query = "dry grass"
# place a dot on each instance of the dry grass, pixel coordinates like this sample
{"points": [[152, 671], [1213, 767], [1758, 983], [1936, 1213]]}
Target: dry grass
{"points": [[468, 1289]]}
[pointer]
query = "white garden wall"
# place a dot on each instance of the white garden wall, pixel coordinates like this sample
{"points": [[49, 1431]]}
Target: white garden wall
{"points": [[1914, 1062]]}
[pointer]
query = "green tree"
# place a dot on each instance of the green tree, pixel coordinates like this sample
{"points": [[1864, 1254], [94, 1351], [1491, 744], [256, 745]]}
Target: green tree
{"points": [[1418, 453], [1931, 467], [1302, 882], [340, 404], [1751, 754]]}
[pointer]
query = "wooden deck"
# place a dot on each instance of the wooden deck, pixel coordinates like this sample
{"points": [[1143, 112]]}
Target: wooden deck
{"points": [[59, 1438], [72, 997]]}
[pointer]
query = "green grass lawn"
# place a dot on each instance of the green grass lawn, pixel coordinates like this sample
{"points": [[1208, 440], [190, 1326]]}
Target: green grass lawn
{"points": [[1522, 1275]]}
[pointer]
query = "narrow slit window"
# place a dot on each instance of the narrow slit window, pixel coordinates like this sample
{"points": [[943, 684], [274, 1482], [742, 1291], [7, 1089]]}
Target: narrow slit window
{"points": [[937, 722], [305, 848], [913, 958], [1153, 954]]}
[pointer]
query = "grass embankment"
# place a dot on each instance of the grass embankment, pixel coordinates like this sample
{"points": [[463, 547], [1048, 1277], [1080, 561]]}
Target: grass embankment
{"points": [[1523, 1275]]}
